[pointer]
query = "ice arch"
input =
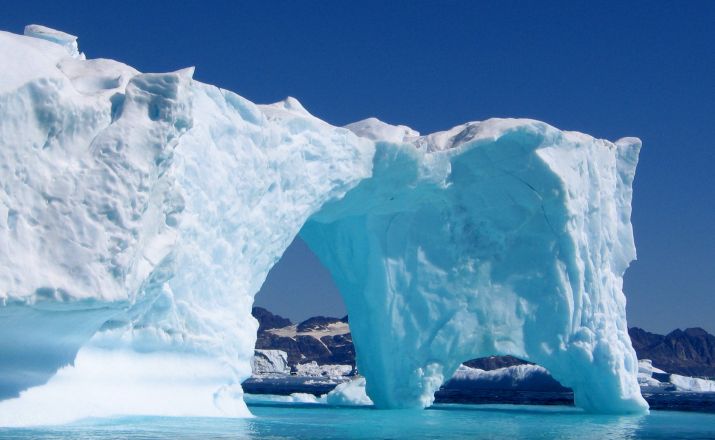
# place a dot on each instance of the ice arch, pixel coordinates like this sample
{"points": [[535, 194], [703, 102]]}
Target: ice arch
{"points": [[140, 214], [503, 237]]}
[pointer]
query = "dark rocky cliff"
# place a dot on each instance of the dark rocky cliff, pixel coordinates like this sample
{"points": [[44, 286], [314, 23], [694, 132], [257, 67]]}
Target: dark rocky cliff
{"points": [[321, 339], [689, 352]]}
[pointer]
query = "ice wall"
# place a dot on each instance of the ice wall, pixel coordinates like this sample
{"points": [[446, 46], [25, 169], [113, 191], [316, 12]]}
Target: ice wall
{"points": [[140, 214]]}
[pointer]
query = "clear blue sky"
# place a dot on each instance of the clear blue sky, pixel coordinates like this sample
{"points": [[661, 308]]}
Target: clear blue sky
{"points": [[610, 69]]}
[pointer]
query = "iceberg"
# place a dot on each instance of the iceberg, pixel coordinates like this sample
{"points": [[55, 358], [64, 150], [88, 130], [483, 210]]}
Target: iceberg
{"points": [[692, 384], [270, 362], [652, 379], [299, 398], [351, 393], [141, 212]]}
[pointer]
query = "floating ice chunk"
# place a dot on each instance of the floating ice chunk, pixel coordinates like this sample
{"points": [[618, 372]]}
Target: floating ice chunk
{"points": [[293, 398], [693, 384], [646, 368], [349, 394]]}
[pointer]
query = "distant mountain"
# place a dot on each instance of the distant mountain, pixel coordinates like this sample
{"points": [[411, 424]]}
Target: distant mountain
{"points": [[318, 323], [689, 352], [326, 340], [267, 320], [494, 362]]}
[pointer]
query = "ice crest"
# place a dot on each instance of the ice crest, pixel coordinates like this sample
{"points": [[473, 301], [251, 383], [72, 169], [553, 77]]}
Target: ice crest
{"points": [[376, 130], [69, 42]]}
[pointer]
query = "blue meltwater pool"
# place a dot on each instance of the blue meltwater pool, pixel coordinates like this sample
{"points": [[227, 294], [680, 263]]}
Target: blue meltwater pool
{"points": [[275, 421]]}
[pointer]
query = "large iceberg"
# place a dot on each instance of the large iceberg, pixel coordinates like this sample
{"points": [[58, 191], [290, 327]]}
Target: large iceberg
{"points": [[140, 214]]}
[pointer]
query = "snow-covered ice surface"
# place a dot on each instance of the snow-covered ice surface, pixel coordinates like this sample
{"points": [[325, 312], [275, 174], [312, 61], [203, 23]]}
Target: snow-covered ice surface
{"points": [[140, 214]]}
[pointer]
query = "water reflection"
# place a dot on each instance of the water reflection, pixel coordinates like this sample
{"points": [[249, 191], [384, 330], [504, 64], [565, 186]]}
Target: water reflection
{"points": [[281, 421]]}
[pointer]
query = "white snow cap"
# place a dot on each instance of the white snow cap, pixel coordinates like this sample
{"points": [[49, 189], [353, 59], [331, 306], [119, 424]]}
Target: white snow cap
{"points": [[376, 130], [69, 42]]}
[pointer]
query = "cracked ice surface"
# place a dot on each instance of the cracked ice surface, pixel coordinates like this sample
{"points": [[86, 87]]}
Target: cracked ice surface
{"points": [[140, 214]]}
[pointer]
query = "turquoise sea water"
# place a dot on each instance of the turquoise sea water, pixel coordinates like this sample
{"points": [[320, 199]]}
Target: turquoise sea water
{"points": [[440, 422]]}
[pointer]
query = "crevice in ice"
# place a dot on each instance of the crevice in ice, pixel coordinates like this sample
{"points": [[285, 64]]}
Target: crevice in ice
{"points": [[117, 101], [538, 194]]}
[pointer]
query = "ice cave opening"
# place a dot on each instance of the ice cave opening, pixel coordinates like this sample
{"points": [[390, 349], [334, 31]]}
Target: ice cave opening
{"points": [[303, 324], [301, 333], [299, 286], [515, 381]]}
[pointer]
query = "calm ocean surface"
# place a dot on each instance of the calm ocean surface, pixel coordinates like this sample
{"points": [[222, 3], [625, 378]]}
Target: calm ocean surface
{"points": [[444, 421]]}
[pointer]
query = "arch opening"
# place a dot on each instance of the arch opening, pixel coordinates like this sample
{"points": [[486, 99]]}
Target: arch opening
{"points": [[478, 255], [303, 342], [503, 380], [301, 314], [299, 286]]}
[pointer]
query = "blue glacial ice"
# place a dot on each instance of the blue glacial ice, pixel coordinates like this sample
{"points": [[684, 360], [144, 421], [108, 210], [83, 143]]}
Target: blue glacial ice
{"points": [[140, 214]]}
